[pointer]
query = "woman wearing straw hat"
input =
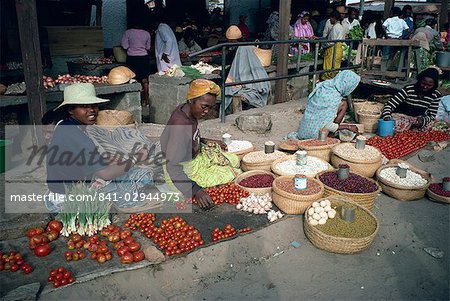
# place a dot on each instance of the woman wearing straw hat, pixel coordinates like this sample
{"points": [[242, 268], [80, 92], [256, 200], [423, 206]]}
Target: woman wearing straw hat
{"points": [[73, 155], [194, 163]]}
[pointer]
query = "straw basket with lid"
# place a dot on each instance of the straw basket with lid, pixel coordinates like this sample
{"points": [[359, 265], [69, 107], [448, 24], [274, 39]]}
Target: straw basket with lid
{"points": [[371, 106], [366, 199], [112, 119], [319, 149], [403, 192], [258, 191], [295, 203], [368, 114], [260, 160], [287, 166], [362, 161], [339, 243]]}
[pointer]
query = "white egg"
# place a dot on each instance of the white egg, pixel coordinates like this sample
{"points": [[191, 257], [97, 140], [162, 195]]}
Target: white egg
{"points": [[310, 211], [316, 216], [328, 202], [315, 204], [323, 203], [318, 209], [327, 208], [323, 214], [331, 214], [313, 222], [322, 221]]}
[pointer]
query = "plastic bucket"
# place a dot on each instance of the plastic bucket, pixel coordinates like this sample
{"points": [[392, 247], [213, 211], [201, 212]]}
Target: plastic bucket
{"points": [[5, 155], [443, 59], [386, 127]]}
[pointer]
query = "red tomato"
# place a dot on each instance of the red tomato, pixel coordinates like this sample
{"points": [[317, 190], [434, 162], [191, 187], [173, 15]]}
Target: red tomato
{"points": [[55, 226], [138, 256], [42, 250]]}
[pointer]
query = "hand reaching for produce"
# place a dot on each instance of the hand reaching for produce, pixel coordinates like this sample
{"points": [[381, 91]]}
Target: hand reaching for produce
{"points": [[418, 124], [165, 58], [204, 200]]}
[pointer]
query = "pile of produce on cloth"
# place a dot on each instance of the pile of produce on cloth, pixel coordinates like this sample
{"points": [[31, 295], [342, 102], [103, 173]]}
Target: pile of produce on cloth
{"points": [[312, 187], [204, 68], [412, 178], [404, 143], [353, 184], [238, 145], [257, 181], [320, 212], [227, 193], [49, 82], [313, 166], [95, 61]]}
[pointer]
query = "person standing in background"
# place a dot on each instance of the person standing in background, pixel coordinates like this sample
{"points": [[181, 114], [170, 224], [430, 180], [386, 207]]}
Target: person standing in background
{"points": [[323, 23], [407, 16], [136, 41], [394, 28], [333, 50], [350, 22], [303, 30], [328, 25], [166, 47], [244, 28], [314, 20]]}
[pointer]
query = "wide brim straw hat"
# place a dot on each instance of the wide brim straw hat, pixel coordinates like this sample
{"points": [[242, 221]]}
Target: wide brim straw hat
{"points": [[233, 33], [120, 75], [80, 94]]}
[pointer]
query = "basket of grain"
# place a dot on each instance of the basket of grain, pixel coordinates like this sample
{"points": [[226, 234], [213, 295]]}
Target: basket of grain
{"points": [[256, 181], [337, 235], [360, 189], [319, 149], [260, 160], [293, 201], [240, 148], [436, 192], [364, 162], [410, 188], [287, 166]]}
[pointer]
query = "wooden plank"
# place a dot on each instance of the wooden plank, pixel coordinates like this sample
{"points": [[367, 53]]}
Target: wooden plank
{"points": [[390, 42], [283, 49], [384, 73], [32, 63], [67, 40]]}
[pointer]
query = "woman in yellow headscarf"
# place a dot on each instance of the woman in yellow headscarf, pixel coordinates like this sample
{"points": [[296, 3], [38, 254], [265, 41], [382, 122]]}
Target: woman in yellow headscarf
{"points": [[194, 163]]}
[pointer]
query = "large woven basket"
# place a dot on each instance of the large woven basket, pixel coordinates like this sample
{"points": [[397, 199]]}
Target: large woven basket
{"points": [[292, 157], [399, 192], [293, 203], [243, 152], [114, 118], [322, 151], [341, 245], [258, 191], [264, 56], [368, 106], [369, 120], [437, 198], [262, 165], [367, 200], [366, 168]]}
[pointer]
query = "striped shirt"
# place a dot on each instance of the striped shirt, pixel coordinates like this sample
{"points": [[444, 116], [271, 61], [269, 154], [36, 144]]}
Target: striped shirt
{"points": [[409, 103]]}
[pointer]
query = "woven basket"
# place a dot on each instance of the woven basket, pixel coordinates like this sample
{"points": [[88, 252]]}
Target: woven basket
{"points": [[263, 165], [264, 56], [293, 157], [113, 127], [366, 168], [114, 117], [437, 198], [341, 245], [367, 200], [370, 121], [399, 192], [293, 203], [258, 191], [323, 151], [368, 106], [243, 152]]}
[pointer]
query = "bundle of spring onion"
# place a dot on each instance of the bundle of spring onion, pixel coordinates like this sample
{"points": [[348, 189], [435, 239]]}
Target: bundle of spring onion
{"points": [[84, 211]]}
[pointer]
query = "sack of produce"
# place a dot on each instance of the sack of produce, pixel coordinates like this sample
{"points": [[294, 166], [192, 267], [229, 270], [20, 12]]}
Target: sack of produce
{"points": [[333, 233], [409, 187], [294, 201], [287, 166], [319, 149], [260, 160], [258, 182]]}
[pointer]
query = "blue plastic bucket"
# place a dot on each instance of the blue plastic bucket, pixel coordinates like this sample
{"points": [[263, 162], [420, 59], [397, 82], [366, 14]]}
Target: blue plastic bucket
{"points": [[386, 127], [5, 155]]}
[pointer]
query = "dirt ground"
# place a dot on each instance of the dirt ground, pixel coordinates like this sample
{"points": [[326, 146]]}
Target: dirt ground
{"points": [[264, 265]]}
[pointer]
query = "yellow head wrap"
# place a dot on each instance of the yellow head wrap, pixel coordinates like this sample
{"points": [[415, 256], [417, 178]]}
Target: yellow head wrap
{"points": [[200, 87]]}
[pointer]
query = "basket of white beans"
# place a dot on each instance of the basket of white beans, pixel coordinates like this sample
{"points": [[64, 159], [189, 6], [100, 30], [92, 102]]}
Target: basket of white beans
{"points": [[320, 212]]}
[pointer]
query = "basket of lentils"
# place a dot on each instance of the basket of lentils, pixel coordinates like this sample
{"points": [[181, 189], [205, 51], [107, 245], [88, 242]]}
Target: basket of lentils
{"points": [[256, 181], [440, 192], [409, 186], [240, 148], [287, 166], [260, 160], [364, 161], [318, 148], [294, 201], [362, 190], [338, 235]]}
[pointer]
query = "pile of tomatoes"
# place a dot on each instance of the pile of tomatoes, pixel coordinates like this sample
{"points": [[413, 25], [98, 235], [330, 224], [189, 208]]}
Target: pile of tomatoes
{"points": [[140, 220], [228, 193], [38, 239], [129, 250], [228, 231], [175, 236], [13, 262], [74, 255], [99, 249], [245, 230], [402, 144], [60, 277]]}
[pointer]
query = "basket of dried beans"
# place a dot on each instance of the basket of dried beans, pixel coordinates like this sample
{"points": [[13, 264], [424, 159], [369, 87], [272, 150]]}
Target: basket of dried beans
{"points": [[291, 200], [256, 181], [318, 148], [360, 189], [260, 160], [362, 161], [240, 148], [440, 192], [287, 166]]}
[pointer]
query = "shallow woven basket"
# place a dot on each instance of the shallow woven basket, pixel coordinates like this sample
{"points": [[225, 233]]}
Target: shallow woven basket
{"points": [[323, 151], [366, 168], [437, 198], [367, 200], [293, 203], [258, 191], [243, 152], [263, 165], [114, 118], [399, 192], [282, 173], [341, 245]]}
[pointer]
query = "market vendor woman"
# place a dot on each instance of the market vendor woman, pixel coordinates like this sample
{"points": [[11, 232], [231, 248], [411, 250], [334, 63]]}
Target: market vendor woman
{"points": [[194, 163], [415, 106]]}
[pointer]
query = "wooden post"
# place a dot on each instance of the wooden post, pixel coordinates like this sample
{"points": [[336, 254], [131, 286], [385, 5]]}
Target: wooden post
{"points": [[361, 9], [444, 13], [32, 63], [388, 5], [283, 49]]}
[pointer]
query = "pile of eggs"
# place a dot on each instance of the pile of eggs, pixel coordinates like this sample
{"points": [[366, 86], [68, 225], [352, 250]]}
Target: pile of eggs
{"points": [[320, 212]]}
